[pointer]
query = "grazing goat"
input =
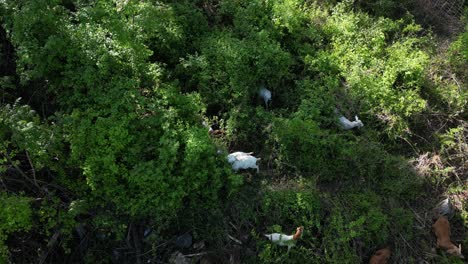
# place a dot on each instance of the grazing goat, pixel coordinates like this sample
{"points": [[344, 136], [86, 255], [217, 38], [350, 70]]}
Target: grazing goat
{"points": [[214, 129], [381, 256], [265, 94], [242, 160], [216, 132], [346, 124], [285, 240], [233, 156], [441, 229], [245, 162]]}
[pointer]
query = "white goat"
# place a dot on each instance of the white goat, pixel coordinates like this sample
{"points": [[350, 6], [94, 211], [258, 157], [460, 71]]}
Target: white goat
{"points": [[265, 94], [234, 156], [246, 162], [285, 240], [242, 160], [443, 208], [346, 124]]}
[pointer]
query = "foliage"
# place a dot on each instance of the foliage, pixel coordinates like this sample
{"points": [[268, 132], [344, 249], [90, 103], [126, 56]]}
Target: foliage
{"points": [[295, 207], [447, 76], [459, 54], [383, 73], [453, 145], [304, 146], [369, 222], [109, 135], [21, 130], [15, 216], [229, 70], [337, 240], [290, 209], [107, 123]]}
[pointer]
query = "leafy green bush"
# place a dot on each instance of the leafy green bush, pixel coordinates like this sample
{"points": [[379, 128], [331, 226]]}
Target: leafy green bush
{"points": [[446, 77], [383, 74], [122, 88], [15, 215], [303, 146], [283, 209], [337, 239], [135, 142], [295, 208], [147, 180], [459, 55], [21, 130], [327, 156], [401, 222], [369, 222], [453, 145], [228, 71], [359, 221]]}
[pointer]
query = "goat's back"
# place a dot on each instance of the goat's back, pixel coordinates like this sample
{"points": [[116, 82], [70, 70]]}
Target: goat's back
{"points": [[381, 256], [441, 229]]}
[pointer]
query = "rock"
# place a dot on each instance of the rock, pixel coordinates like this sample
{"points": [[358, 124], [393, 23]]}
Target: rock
{"points": [[115, 255], [199, 245], [80, 230], [147, 232], [178, 258], [183, 241]]}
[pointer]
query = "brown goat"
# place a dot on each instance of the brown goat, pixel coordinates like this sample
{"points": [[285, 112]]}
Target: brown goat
{"points": [[217, 132], [381, 256], [441, 229]]}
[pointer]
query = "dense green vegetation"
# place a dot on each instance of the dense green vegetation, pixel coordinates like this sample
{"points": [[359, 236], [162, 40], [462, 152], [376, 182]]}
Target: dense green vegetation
{"points": [[104, 158]]}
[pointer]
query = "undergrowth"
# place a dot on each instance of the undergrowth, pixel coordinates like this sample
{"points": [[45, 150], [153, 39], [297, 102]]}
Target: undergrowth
{"points": [[105, 156]]}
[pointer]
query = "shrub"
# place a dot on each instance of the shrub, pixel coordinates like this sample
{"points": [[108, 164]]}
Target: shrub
{"points": [[303, 146], [228, 71], [458, 55], [284, 210], [147, 180], [453, 144], [133, 142], [15, 215], [369, 223], [22, 130], [401, 222], [336, 240], [292, 208], [357, 221], [384, 78], [119, 149]]}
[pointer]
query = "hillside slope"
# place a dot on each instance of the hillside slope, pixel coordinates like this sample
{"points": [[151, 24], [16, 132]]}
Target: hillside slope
{"points": [[106, 155]]}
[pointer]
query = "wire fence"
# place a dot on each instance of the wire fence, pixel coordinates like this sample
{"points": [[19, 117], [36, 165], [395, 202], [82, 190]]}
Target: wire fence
{"points": [[443, 15]]}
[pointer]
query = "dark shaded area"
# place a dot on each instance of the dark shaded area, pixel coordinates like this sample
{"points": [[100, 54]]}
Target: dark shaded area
{"points": [[7, 51], [444, 17], [34, 95]]}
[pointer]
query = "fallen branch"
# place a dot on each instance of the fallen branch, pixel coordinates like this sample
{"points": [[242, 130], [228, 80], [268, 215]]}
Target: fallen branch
{"points": [[21, 171], [32, 168], [235, 239], [50, 246], [196, 254]]}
